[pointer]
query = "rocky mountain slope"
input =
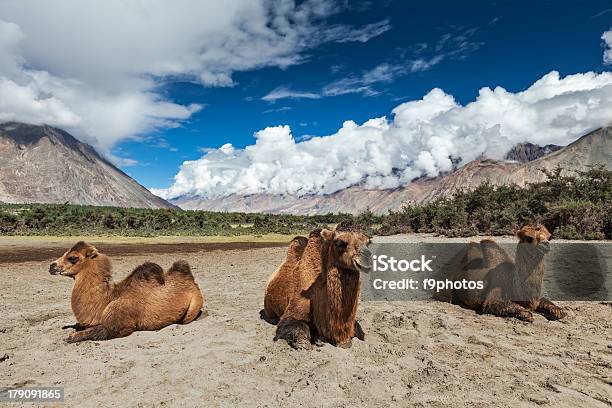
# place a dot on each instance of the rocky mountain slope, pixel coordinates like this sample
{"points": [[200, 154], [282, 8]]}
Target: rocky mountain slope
{"points": [[523, 166], [42, 164], [524, 152]]}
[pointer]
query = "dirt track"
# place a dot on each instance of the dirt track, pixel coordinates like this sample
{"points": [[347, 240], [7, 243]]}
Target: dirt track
{"points": [[37, 253], [415, 353]]}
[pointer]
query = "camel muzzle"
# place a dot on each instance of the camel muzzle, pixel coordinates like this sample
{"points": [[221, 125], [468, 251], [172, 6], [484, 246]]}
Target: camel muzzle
{"points": [[54, 269], [364, 261], [544, 246]]}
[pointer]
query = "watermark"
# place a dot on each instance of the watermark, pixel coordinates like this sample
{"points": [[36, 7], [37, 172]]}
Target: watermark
{"points": [[382, 263], [421, 271], [427, 284], [32, 394]]}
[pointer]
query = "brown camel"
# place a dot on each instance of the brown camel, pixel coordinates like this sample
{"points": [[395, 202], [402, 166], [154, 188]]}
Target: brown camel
{"points": [[148, 299], [512, 289], [276, 298], [316, 298]]}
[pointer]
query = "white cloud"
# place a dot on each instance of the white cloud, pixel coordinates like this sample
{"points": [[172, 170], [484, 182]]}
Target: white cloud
{"points": [[601, 13], [283, 92], [124, 161], [281, 109], [383, 73], [418, 140], [607, 56], [96, 68], [363, 34], [423, 64], [455, 46]]}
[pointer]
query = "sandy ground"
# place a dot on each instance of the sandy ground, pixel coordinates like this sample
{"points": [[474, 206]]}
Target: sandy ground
{"points": [[415, 353]]}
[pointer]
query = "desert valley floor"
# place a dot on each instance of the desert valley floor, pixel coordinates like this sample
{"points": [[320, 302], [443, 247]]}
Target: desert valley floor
{"points": [[415, 353]]}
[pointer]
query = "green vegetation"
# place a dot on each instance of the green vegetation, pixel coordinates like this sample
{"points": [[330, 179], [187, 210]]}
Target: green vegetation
{"points": [[54, 219], [575, 207]]}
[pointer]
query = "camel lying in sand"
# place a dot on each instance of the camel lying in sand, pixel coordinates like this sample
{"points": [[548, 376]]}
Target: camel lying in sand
{"points": [[315, 292], [512, 289], [148, 299]]}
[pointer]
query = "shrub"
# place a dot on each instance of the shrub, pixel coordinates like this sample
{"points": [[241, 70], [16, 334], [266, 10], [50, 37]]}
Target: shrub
{"points": [[573, 207]]}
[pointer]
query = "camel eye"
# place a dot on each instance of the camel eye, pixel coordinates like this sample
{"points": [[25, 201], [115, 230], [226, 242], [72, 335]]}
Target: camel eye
{"points": [[340, 244], [73, 259]]}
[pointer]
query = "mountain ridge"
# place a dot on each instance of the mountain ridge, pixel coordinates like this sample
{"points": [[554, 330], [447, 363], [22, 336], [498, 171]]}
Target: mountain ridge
{"points": [[592, 148], [526, 152], [45, 164]]}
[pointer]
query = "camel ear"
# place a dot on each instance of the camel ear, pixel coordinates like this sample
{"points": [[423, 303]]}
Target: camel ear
{"points": [[520, 234], [515, 230], [327, 235], [546, 233], [91, 253]]}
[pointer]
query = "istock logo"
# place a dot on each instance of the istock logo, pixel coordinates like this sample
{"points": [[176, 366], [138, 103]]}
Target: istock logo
{"points": [[383, 263]]}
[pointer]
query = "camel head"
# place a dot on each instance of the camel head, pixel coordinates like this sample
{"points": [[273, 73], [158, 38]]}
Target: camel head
{"points": [[78, 258], [535, 237], [349, 249]]}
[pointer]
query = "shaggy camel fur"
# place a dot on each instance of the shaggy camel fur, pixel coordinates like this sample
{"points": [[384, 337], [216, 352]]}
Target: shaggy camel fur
{"points": [[148, 299], [512, 289], [277, 297], [316, 298]]}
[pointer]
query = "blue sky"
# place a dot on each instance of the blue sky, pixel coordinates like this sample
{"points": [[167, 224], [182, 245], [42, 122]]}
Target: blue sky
{"points": [[164, 89], [512, 44]]}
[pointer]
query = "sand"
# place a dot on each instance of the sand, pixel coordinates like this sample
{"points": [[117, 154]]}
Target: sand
{"points": [[415, 353]]}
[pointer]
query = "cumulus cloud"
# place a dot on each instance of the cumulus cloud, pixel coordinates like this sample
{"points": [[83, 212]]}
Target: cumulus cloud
{"points": [[607, 37], [96, 68], [420, 139]]}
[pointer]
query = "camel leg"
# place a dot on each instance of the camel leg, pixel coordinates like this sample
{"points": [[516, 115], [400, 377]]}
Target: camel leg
{"points": [[346, 344], [194, 309], [494, 304], [549, 310], [348, 341], [359, 331], [270, 319], [98, 332], [76, 326], [317, 339], [507, 309], [295, 332], [114, 324]]}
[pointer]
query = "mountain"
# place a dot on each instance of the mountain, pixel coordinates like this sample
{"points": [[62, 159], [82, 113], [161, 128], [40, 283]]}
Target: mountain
{"points": [[43, 164], [525, 152], [523, 166]]}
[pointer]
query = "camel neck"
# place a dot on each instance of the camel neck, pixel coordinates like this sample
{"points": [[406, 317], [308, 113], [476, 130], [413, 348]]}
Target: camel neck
{"points": [[343, 287], [528, 260], [92, 291], [530, 271]]}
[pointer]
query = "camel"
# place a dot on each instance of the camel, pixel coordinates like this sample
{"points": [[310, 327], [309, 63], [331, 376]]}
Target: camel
{"points": [[148, 299], [314, 297], [511, 289], [276, 298]]}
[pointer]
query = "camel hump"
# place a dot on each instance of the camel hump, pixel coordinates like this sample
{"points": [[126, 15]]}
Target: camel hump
{"points": [[315, 233], [180, 267], [148, 271], [301, 241], [492, 253]]}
